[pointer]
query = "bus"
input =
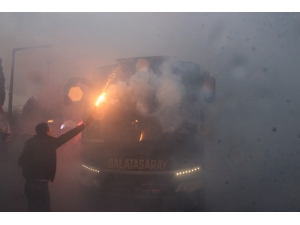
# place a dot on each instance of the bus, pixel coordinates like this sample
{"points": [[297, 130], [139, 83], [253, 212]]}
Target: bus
{"points": [[146, 137]]}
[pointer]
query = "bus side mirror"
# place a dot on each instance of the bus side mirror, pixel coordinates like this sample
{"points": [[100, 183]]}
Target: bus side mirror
{"points": [[208, 87]]}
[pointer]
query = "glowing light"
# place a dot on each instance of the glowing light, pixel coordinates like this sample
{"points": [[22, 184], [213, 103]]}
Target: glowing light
{"points": [[141, 137], [136, 121], [62, 126], [91, 169], [75, 94], [188, 171], [50, 121], [100, 99]]}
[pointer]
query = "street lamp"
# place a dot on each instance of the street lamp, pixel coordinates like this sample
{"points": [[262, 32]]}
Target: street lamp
{"points": [[12, 75]]}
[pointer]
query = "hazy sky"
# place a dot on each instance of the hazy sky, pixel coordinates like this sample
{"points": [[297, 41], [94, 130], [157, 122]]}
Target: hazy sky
{"points": [[83, 41]]}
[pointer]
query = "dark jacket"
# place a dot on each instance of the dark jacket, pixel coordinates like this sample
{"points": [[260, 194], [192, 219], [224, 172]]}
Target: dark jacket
{"points": [[38, 159]]}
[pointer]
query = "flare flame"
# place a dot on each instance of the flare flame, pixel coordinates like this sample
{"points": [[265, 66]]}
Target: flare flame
{"points": [[100, 99]]}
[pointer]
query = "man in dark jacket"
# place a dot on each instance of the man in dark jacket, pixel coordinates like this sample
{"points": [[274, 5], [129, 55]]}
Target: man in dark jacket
{"points": [[38, 163]]}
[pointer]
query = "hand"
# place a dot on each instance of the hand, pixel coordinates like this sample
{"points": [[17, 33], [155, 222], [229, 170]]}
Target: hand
{"points": [[88, 120]]}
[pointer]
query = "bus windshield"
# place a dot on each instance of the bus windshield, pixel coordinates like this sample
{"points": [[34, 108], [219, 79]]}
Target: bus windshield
{"points": [[149, 100]]}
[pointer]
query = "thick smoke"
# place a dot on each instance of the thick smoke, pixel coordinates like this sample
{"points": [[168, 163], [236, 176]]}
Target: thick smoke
{"points": [[252, 155], [170, 95], [159, 96]]}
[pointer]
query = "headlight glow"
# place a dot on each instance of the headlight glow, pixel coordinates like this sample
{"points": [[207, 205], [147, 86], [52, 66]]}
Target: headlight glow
{"points": [[187, 171], [91, 169]]}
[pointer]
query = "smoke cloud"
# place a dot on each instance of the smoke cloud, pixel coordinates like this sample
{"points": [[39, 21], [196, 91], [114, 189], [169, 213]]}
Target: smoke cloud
{"points": [[157, 95], [252, 146]]}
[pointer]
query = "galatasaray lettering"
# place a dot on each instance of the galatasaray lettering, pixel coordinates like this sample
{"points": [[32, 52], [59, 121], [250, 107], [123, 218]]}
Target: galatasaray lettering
{"points": [[137, 164]]}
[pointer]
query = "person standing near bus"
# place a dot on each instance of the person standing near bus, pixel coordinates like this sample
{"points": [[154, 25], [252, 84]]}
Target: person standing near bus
{"points": [[38, 163]]}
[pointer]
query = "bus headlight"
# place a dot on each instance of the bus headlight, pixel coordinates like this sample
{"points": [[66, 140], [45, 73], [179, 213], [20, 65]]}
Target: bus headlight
{"points": [[90, 168], [188, 171]]}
